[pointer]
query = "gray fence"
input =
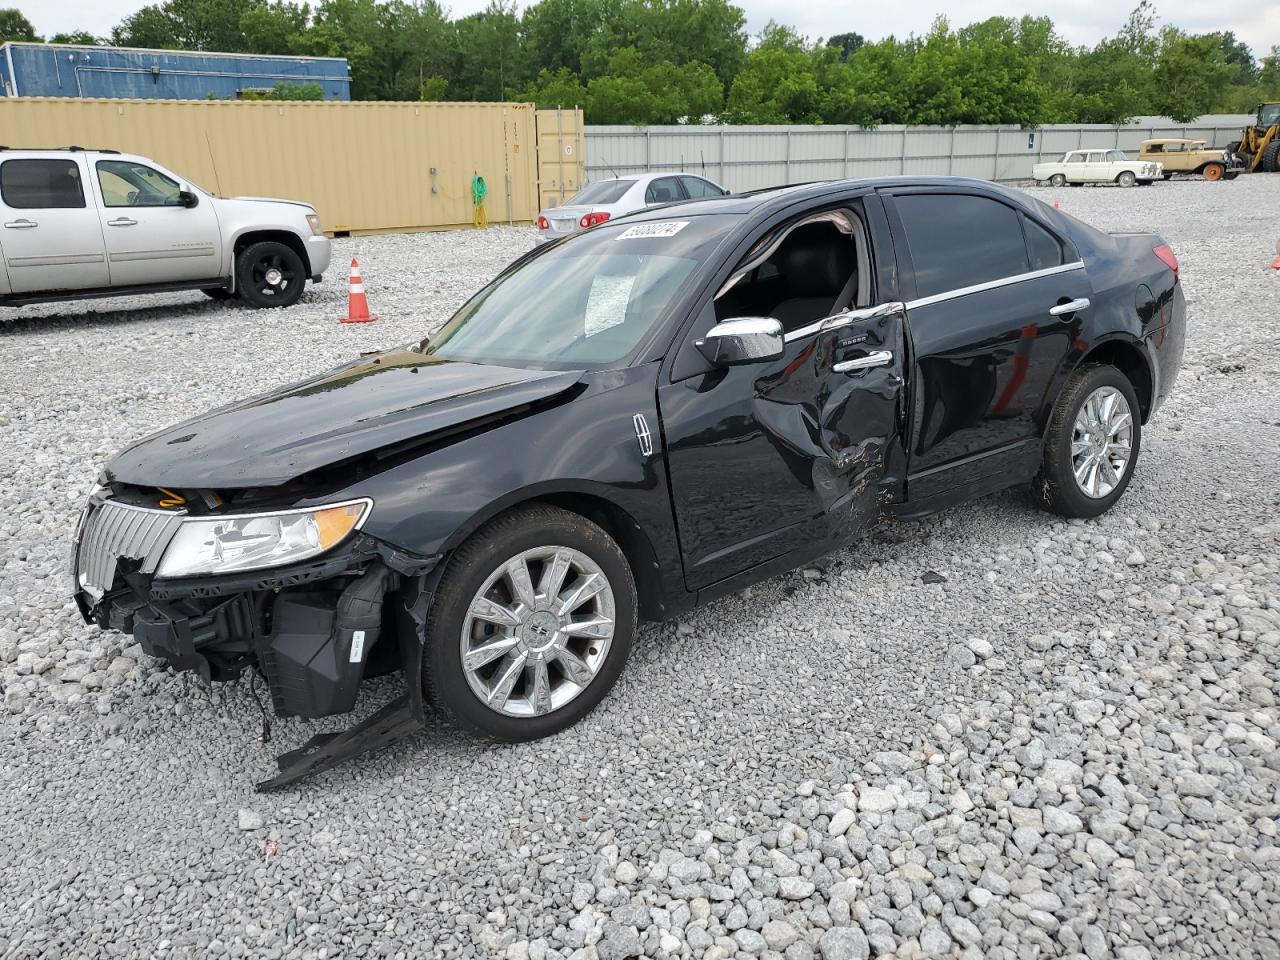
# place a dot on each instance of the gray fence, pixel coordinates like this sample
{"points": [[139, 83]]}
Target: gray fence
{"points": [[750, 157]]}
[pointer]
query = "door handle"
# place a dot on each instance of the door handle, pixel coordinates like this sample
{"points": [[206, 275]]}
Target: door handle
{"points": [[877, 358], [121, 222], [21, 224], [1064, 309]]}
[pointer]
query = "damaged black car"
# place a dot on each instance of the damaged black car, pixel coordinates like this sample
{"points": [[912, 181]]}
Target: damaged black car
{"points": [[622, 425]]}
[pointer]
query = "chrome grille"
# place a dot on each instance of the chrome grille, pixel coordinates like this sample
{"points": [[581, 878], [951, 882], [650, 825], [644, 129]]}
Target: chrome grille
{"points": [[113, 530]]}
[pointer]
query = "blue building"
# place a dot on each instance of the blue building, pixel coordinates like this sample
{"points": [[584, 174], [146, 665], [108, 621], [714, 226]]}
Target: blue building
{"points": [[58, 70]]}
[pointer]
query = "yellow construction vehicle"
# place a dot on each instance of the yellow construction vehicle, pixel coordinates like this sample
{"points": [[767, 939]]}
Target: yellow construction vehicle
{"points": [[1259, 145]]}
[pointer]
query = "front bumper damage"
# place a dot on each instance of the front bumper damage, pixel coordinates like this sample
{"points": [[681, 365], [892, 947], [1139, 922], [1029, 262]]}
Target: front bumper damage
{"points": [[313, 631]]}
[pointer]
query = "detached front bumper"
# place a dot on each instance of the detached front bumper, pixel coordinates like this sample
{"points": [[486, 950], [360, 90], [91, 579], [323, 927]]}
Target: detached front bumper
{"points": [[313, 629]]}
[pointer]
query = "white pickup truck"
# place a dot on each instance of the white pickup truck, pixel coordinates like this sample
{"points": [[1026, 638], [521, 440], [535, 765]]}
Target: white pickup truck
{"points": [[1079, 167], [95, 223]]}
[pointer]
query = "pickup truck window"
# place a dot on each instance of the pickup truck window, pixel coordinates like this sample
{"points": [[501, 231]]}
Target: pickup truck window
{"points": [[125, 183], [41, 184], [959, 240]]}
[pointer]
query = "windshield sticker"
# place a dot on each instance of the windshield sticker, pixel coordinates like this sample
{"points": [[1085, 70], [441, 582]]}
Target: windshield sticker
{"points": [[663, 228]]}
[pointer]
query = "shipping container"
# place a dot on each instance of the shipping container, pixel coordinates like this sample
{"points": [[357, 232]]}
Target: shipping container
{"points": [[63, 70]]}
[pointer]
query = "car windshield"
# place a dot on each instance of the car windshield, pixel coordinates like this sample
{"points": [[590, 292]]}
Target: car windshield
{"points": [[583, 303], [606, 191]]}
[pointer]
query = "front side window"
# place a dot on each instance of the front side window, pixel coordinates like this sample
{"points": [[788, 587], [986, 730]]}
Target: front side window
{"points": [[126, 183], [959, 240], [41, 184], [699, 189], [587, 302], [605, 191]]}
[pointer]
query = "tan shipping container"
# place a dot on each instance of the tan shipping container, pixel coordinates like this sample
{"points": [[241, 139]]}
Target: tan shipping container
{"points": [[367, 167]]}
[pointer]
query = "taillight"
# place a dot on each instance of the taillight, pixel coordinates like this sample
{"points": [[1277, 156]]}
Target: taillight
{"points": [[592, 219], [1167, 257], [542, 223]]}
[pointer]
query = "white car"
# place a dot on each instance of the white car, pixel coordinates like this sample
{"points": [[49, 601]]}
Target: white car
{"points": [[605, 199], [97, 223], [1097, 166]]}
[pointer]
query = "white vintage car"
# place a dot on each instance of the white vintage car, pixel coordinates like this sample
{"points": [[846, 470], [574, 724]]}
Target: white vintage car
{"points": [[1097, 166]]}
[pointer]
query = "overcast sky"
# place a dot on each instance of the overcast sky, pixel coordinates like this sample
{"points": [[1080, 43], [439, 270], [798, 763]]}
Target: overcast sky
{"points": [[1256, 22]]}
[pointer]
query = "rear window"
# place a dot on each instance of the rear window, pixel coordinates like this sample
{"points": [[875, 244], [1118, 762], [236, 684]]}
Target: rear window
{"points": [[605, 191], [41, 184], [959, 240]]}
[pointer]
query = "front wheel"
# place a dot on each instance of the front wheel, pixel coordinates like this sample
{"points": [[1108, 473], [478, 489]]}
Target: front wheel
{"points": [[1057, 180], [531, 627], [1126, 179], [1092, 444], [270, 274], [1214, 171]]}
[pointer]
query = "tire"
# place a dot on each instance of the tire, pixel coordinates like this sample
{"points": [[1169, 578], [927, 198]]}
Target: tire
{"points": [[1214, 171], [218, 293], [1055, 487], [1271, 157], [261, 263], [1057, 180], [476, 574], [1126, 179]]}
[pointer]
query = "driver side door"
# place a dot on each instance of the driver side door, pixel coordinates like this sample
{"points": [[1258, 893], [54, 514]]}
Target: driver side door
{"points": [[789, 456], [150, 236]]}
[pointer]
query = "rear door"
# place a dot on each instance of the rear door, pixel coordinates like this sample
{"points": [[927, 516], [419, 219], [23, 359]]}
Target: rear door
{"points": [[52, 237], [996, 302], [793, 455], [151, 237]]}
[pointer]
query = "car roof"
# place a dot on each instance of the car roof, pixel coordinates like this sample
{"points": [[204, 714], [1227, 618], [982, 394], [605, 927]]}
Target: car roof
{"points": [[761, 201]]}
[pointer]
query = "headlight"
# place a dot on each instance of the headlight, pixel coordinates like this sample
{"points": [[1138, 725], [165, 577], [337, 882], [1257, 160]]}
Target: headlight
{"points": [[313, 221], [251, 541]]}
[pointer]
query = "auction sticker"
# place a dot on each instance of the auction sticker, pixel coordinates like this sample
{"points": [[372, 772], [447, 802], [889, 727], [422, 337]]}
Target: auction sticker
{"points": [[662, 228]]}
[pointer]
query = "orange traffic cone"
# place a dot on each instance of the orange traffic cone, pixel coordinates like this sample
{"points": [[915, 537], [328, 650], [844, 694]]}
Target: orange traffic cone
{"points": [[357, 304], [1275, 264]]}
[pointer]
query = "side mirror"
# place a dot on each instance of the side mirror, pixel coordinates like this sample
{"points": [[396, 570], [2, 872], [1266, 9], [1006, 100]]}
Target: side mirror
{"points": [[187, 198], [742, 340]]}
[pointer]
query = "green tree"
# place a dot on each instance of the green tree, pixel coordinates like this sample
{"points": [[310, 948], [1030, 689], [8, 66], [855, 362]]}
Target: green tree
{"points": [[777, 82], [274, 27], [847, 43], [1188, 75], [79, 38], [15, 26], [488, 61]]}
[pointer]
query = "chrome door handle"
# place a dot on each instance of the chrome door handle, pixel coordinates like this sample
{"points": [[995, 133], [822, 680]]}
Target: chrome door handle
{"points": [[1075, 306], [121, 222], [21, 224], [877, 358]]}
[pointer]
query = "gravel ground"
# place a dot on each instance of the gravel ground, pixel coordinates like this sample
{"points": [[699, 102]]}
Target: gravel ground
{"points": [[1066, 747]]}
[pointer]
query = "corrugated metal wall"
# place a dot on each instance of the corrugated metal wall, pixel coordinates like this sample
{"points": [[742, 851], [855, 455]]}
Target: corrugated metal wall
{"points": [[64, 70], [367, 167], [751, 157]]}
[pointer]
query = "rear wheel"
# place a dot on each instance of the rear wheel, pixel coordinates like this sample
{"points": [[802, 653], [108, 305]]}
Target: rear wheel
{"points": [[1214, 171], [1271, 157], [270, 274], [1092, 444], [1126, 179], [1057, 180], [532, 625]]}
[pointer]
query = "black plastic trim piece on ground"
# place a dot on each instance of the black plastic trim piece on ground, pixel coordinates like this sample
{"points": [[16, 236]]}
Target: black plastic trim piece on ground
{"points": [[392, 722]]}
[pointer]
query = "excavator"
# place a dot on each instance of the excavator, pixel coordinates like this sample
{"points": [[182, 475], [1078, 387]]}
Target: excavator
{"points": [[1259, 145]]}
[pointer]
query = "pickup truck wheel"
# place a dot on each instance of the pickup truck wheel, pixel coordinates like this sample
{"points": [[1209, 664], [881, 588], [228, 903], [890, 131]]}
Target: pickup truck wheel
{"points": [[1092, 444], [270, 274], [1126, 178], [531, 626], [1057, 180]]}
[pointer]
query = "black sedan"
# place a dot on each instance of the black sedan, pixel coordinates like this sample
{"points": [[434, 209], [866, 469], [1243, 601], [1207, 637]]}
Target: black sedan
{"points": [[624, 424]]}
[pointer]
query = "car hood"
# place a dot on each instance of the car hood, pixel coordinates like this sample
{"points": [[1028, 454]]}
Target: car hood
{"points": [[378, 401]]}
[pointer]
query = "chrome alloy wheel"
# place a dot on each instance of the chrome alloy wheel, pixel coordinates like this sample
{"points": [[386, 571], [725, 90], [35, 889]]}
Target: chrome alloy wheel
{"points": [[1101, 442], [537, 631]]}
